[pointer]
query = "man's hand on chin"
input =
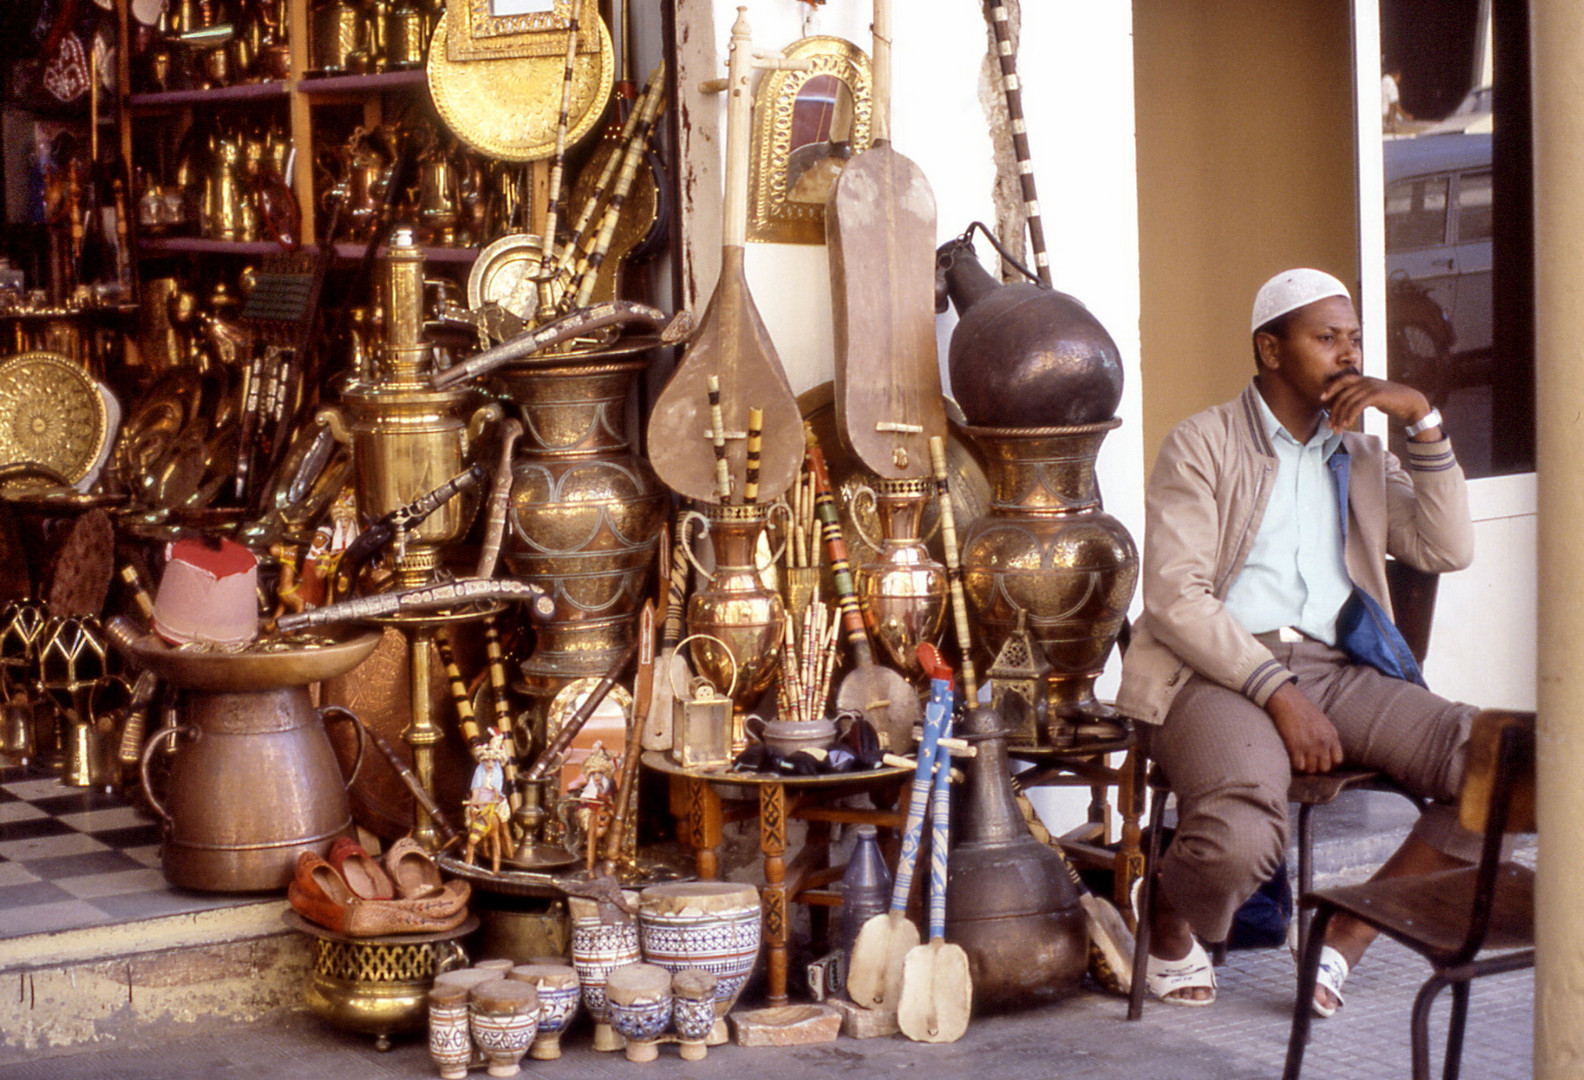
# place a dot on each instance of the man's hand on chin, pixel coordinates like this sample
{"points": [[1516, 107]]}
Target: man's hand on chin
{"points": [[1311, 738]]}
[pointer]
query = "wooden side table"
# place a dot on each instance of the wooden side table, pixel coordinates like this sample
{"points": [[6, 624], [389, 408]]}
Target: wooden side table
{"points": [[699, 800], [1085, 765]]}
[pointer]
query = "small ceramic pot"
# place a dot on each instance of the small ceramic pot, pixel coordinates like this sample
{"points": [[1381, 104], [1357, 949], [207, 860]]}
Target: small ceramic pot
{"points": [[638, 1003], [505, 1018], [559, 993], [693, 1010], [450, 1041]]}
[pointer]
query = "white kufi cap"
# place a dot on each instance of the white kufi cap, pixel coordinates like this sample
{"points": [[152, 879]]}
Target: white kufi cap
{"points": [[1291, 290]]}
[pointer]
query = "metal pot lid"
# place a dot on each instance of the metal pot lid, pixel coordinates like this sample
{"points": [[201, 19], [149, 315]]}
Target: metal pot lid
{"points": [[509, 108]]}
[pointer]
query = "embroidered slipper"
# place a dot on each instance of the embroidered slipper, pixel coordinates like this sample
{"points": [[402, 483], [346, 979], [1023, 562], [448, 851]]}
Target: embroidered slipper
{"points": [[363, 873], [1332, 974], [1192, 972], [412, 869]]}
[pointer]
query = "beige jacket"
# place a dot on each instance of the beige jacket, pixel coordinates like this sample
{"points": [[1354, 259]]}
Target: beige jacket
{"points": [[1203, 507]]}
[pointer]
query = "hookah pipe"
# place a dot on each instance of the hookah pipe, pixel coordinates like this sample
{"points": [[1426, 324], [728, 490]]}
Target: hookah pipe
{"points": [[400, 521]]}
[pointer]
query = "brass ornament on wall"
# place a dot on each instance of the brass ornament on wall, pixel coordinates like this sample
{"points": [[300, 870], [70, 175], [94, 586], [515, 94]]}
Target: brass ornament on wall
{"points": [[478, 33], [806, 124], [509, 108], [51, 414]]}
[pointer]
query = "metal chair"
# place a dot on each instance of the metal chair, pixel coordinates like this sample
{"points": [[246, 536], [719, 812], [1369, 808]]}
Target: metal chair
{"points": [[1413, 596], [1468, 922]]}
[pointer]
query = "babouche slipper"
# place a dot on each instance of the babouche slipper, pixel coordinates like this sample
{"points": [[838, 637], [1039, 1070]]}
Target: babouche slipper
{"points": [[412, 869], [1332, 974], [1192, 972], [361, 871]]}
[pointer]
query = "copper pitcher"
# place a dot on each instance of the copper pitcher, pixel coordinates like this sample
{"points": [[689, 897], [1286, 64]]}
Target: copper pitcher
{"points": [[735, 606], [902, 590], [254, 780]]}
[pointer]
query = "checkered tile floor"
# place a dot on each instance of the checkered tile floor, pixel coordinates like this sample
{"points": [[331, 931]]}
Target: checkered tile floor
{"points": [[72, 858]]}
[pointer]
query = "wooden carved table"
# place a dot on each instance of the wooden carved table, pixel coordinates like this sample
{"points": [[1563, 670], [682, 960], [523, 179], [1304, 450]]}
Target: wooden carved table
{"points": [[699, 801], [1085, 765]]}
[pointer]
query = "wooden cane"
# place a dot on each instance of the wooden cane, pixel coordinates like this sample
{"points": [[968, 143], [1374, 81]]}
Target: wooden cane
{"points": [[1012, 88], [954, 568]]}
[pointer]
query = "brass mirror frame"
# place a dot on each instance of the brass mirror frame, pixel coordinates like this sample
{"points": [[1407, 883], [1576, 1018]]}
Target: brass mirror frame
{"points": [[771, 217], [477, 33]]}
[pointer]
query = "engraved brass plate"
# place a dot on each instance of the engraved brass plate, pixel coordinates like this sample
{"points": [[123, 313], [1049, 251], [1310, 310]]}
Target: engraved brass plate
{"points": [[51, 412], [504, 274], [805, 126], [509, 108]]}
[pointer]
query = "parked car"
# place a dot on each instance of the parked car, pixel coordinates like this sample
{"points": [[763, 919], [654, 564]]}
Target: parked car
{"points": [[1438, 259]]}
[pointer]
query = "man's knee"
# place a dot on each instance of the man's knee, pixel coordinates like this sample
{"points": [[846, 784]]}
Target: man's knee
{"points": [[1238, 839]]}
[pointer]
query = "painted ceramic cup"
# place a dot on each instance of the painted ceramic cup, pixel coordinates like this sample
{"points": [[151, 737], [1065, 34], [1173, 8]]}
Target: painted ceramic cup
{"points": [[559, 993], [638, 1003], [598, 948], [505, 1018], [693, 1010], [450, 1044]]}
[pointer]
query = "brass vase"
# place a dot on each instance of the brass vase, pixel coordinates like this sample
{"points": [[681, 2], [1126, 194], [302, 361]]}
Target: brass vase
{"points": [[902, 590], [1047, 548], [736, 607], [585, 518]]}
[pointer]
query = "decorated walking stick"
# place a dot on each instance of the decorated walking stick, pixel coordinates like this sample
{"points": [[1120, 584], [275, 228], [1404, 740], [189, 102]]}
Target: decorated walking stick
{"points": [[558, 165], [948, 522], [1012, 88]]}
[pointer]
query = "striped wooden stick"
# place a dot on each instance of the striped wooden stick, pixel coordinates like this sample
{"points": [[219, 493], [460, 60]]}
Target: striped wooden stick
{"points": [[954, 573], [587, 273], [836, 548], [607, 174], [1013, 90], [718, 434], [755, 448], [459, 694], [558, 167]]}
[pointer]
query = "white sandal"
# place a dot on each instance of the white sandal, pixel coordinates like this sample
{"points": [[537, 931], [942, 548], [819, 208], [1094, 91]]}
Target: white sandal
{"points": [[1332, 974], [1192, 972]]}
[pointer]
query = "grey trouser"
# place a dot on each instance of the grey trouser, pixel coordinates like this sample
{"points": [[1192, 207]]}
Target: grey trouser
{"points": [[1230, 771]]}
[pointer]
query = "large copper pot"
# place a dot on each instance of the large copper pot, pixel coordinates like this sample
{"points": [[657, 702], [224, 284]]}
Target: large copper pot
{"points": [[254, 781], [735, 608], [586, 514], [1009, 900], [1048, 548], [902, 590]]}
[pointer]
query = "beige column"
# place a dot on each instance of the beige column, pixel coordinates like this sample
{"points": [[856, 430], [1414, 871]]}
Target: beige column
{"points": [[1557, 34]]}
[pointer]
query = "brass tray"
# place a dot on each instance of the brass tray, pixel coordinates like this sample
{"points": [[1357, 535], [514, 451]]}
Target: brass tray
{"points": [[508, 109], [504, 274], [51, 413]]}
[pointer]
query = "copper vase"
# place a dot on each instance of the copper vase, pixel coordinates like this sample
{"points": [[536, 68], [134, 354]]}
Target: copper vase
{"points": [[1048, 548], [902, 590], [736, 607], [585, 519]]}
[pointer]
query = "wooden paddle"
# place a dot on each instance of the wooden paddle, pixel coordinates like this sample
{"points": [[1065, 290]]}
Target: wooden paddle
{"points": [[937, 988], [875, 970], [880, 234], [731, 343]]}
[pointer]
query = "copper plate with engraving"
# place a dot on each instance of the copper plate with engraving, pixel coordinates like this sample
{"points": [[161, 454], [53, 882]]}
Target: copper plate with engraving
{"points": [[509, 109], [504, 274], [51, 412]]}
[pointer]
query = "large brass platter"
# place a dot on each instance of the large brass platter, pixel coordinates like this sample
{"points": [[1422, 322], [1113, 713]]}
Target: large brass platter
{"points": [[508, 109], [51, 413]]}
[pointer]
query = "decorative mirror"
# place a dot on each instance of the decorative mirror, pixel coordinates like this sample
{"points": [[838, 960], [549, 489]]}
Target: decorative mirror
{"points": [[513, 29], [806, 125]]}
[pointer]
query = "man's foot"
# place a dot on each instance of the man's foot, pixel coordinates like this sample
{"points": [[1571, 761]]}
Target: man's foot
{"points": [[1189, 980], [1172, 946]]}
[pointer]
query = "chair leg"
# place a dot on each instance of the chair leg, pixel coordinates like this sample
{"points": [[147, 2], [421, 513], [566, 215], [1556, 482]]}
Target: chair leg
{"points": [[1421, 1025], [1303, 1005], [1146, 906], [1455, 1028], [1305, 869]]}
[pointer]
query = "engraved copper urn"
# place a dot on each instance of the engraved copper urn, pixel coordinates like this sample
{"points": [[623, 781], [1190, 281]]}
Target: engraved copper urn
{"points": [[1009, 900], [586, 514], [902, 590], [735, 608], [1048, 548]]}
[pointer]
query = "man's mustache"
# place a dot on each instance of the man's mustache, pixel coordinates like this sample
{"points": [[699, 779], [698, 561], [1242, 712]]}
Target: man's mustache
{"points": [[1344, 373]]}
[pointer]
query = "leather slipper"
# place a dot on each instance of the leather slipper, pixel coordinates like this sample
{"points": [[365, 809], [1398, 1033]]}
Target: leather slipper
{"points": [[362, 872], [318, 893], [412, 869]]}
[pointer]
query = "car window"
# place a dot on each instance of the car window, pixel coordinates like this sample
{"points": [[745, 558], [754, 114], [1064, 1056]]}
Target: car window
{"points": [[1474, 207], [1416, 212]]}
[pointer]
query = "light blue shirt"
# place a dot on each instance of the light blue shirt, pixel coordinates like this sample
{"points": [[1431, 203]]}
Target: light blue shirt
{"points": [[1296, 573]]}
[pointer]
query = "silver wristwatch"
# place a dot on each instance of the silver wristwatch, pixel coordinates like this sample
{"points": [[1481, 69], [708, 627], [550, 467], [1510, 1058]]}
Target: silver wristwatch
{"points": [[1424, 423]]}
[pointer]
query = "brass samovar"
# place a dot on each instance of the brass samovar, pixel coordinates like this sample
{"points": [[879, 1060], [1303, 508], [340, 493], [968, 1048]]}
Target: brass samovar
{"points": [[407, 439]]}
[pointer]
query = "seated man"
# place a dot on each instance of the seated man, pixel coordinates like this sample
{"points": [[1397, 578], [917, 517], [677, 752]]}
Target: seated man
{"points": [[1264, 648]]}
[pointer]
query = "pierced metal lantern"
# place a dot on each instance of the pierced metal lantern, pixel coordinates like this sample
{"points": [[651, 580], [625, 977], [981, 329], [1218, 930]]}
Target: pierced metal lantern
{"points": [[22, 624], [1020, 669]]}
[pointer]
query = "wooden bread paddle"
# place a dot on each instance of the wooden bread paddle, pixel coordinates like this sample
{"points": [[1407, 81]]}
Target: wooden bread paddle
{"points": [[874, 974], [880, 236], [937, 987]]}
